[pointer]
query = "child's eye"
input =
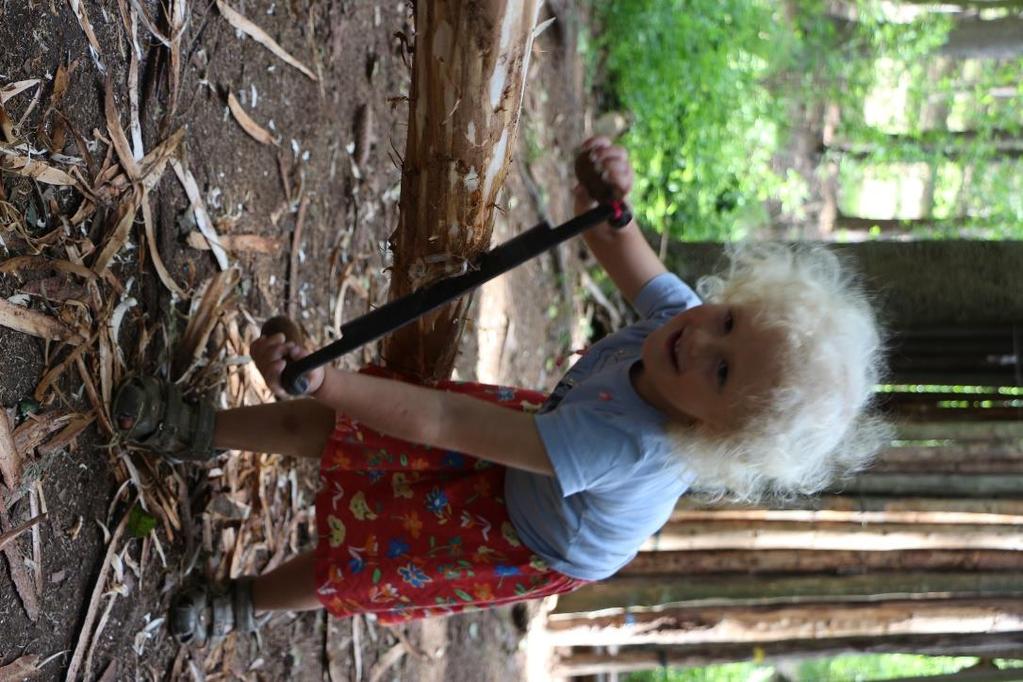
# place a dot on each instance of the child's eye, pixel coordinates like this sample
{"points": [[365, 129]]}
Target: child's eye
{"points": [[722, 373], [729, 322]]}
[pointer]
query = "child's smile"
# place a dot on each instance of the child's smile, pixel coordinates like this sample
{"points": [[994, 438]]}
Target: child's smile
{"points": [[703, 364], [674, 341]]}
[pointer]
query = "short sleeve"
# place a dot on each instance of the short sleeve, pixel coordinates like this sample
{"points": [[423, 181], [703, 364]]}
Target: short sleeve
{"points": [[584, 447], [665, 295]]}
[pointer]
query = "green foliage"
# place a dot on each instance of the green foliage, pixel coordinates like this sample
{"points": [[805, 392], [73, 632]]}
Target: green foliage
{"points": [[712, 86], [691, 73], [855, 668], [140, 523], [729, 672]]}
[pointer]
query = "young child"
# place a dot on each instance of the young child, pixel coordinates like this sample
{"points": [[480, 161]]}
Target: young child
{"points": [[438, 498]]}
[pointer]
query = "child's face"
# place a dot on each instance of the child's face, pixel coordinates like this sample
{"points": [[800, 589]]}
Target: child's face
{"points": [[703, 364]]}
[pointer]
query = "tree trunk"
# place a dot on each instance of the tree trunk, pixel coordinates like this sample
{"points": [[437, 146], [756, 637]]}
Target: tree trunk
{"points": [[468, 75], [724, 624]]}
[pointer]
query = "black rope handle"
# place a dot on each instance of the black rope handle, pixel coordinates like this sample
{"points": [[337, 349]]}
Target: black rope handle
{"points": [[402, 311]]}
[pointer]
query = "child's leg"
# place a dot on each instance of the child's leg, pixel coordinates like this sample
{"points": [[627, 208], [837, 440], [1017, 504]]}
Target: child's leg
{"points": [[299, 428], [291, 586]]}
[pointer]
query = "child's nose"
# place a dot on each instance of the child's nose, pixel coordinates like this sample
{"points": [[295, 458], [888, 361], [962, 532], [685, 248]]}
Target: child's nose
{"points": [[701, 342]]}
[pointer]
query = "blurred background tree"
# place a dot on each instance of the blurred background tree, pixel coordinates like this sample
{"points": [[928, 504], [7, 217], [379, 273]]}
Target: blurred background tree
{"points": [[830, 119]]}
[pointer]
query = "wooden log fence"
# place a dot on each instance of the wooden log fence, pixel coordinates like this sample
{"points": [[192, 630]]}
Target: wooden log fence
{"points": [[923, 553]]}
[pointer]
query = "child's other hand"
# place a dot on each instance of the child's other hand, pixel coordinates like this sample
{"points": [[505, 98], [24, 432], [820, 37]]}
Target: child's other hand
{"points": [[270, 353], [611, 164]]}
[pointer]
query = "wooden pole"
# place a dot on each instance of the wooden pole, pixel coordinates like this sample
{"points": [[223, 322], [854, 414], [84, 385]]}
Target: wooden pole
{"points": [[468, 75], [832, 536], [752, 590], [722, 624], [862, 510], [658, 565], [1008, 485]]}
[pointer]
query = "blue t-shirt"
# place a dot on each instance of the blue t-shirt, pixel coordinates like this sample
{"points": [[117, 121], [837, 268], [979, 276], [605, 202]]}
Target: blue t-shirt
{"points": [[616, 479]]}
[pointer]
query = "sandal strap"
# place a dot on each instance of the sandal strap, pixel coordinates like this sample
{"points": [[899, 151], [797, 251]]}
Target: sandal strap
{"points": [[189, 618], [241, 601], [205, 613], [222, 621], [154, 414]]}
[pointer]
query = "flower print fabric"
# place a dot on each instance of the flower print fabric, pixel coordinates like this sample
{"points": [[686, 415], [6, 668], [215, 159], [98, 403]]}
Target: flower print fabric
{"points": [[407, 531]]}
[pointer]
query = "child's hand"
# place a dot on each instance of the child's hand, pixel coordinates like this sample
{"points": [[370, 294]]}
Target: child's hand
{"points": [[605, 167], [270, 352]]}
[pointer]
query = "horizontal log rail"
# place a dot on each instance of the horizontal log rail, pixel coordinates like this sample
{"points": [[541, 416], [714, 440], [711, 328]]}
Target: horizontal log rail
{"points": [[848, 516], [960, 431], [636, 658], [832, 536], [711, 625], [902, 509], [936, 485], [639, 591], [657, 565]]}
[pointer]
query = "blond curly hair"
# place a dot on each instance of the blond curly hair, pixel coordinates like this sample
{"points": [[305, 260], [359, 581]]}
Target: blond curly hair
{"points": [[813, 429]]}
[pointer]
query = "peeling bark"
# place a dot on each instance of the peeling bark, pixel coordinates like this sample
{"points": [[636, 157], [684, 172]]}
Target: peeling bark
{"points": [[467, 83]]}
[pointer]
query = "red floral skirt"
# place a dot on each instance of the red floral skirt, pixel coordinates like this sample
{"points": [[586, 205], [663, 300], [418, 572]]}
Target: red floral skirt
{"points": [[407, 531]]}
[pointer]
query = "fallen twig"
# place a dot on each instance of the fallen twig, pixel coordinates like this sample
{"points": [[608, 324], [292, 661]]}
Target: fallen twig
{"points": [[260, 36], [390, 657], [10, 458], [9, 91], [204, 316], [34, 323], [119, 235], [20, 669], [84, 635], [30, 168], [237, 243], [40, 391], [37, 545], [154, 252], [255, 131], [296, 250], [117, 136], [10, 535], [23, 582], [83, 21], [202, 218], [357, 646]]}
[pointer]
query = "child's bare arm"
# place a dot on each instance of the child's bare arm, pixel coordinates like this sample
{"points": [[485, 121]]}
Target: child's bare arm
{"points": [[625, 253], [437, 418], [414, 413]]}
